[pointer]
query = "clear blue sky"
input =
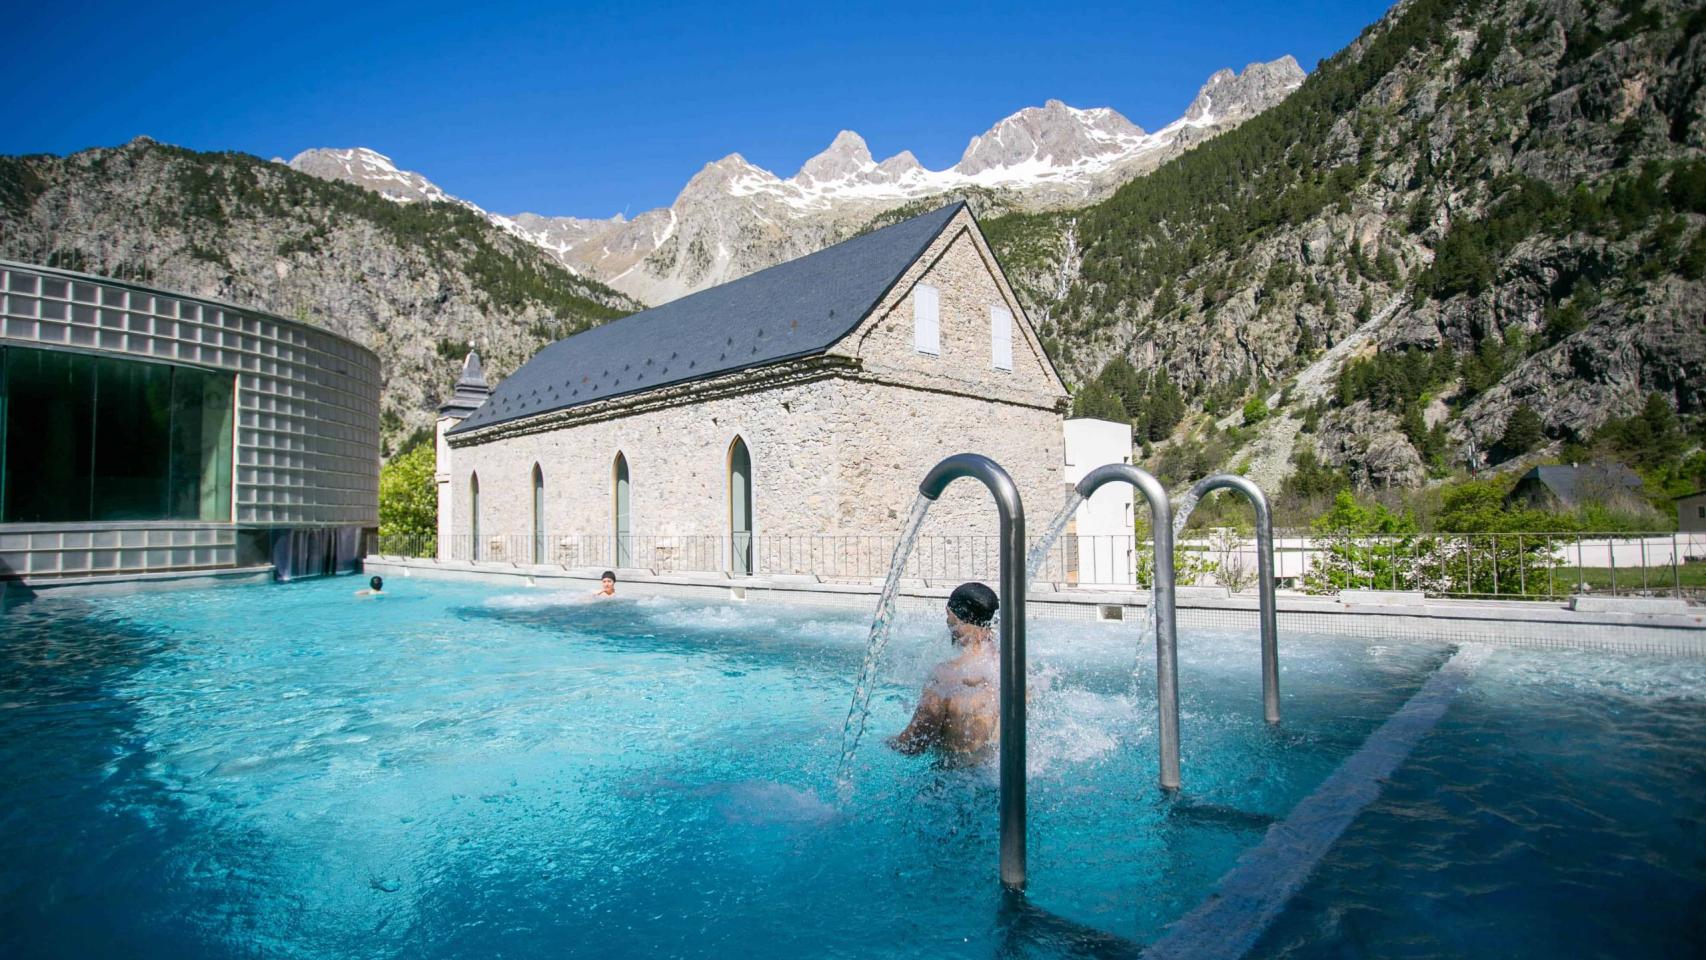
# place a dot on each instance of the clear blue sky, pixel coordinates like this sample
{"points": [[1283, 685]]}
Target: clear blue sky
{"points": [[590, 110]]}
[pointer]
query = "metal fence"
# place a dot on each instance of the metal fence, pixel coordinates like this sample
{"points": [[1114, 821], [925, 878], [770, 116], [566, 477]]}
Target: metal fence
{"points": [[1102, 561], [1543, 565], [1511, 566]]}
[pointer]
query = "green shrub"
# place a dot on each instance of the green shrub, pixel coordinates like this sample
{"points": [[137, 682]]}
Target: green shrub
{"points": [[408, 498]]}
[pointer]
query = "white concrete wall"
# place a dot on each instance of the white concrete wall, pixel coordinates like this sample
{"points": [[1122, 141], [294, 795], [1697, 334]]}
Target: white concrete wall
{"points": [[1102, 527]]}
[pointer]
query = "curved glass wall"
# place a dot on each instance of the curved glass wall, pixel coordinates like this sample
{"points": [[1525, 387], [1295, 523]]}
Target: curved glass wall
{"points": [[86, 437]]}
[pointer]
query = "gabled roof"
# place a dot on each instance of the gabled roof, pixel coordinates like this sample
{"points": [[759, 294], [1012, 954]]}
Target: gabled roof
{"points": [[794, 309], [1567, 482]]}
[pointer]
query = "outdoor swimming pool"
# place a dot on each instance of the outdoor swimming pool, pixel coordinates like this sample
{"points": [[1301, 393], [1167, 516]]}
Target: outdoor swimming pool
{"points": [[461, 770]]}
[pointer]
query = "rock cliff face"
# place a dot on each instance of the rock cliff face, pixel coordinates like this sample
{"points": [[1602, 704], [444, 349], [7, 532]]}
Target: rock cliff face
{"points": [[417, 282], [733, 217], [1370, 447], [1521, 183]]}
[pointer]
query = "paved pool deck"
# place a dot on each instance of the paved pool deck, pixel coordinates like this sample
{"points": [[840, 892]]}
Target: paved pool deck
{"points": [[1636, 627]]}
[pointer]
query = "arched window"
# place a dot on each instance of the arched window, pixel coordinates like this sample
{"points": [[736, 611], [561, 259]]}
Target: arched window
{"points": [[624, 533], [740, 508], [538, 514], [473, 516]]}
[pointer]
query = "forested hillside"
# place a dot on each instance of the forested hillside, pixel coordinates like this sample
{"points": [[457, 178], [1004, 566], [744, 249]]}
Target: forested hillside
{"points": [[1474, 237], [418, 283]]}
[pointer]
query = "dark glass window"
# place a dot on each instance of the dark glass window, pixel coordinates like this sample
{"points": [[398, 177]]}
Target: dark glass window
{"points": [[100, 438], [133, 418], [50, 423]]}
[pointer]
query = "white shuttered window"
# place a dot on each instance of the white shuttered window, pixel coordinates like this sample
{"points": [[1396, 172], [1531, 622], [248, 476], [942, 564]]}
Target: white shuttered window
{"points": [[926, 320], [1001, 338]]}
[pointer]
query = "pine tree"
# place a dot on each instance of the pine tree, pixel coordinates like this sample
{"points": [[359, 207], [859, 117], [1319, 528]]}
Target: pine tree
{"points": [[1166, 406], [1096, 401], [1523, 432]]}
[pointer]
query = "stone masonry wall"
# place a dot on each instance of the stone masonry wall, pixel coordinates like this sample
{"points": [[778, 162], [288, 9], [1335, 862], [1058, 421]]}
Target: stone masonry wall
{"points": [[837, 457], [963, 270]]}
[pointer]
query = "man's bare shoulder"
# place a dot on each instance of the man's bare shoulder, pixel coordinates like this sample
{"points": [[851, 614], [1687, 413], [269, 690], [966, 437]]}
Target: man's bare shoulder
{"points": [[955, 676]]}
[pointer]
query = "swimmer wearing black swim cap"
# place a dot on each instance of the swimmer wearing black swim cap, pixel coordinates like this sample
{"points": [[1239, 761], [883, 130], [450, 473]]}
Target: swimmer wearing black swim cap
{"points": [[959, 710], [974, 603]]}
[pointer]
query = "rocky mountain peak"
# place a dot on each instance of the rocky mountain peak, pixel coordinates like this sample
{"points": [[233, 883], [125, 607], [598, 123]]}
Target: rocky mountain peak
{"points": [[726, 176], [846, 157], [1054, 134], [897, 167], [371, 169], [1239, 96]]}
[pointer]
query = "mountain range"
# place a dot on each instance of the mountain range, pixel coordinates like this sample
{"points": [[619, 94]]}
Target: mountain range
{"points": [[733, 217]]}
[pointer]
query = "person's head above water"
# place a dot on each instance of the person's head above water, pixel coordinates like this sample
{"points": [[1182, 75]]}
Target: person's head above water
{"points": [[376, 584], [974, 603], [607, 581]]}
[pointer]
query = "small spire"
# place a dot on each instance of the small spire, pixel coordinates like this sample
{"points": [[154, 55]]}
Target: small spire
{"points": [[472, 375], [471, 390]]}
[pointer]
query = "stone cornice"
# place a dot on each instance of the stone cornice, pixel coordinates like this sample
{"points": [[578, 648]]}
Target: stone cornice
{"points": [[894, 377]]}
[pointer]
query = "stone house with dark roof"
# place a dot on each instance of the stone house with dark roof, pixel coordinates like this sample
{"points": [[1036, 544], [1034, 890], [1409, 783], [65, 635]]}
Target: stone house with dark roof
{"points": [[1691, 512], [805, 400], [1568, 487]]}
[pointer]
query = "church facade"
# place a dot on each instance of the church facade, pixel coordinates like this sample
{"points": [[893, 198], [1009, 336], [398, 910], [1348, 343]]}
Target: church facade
{"points": [[804, 401]]}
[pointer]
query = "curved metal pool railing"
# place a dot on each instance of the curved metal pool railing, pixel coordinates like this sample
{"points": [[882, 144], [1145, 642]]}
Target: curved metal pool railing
{"points": [[1012, 591], [1264, 578]]}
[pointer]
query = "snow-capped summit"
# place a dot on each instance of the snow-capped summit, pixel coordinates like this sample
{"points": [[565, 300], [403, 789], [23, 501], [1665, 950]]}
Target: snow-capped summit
{"points": [[847, 158], [733, 174], [373, 170], [1053, 134], [897, 167]]}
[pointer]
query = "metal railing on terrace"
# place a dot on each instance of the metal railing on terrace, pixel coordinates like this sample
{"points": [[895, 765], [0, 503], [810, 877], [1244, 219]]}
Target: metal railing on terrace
{"points": [[1087, 561], [1539, 566]]}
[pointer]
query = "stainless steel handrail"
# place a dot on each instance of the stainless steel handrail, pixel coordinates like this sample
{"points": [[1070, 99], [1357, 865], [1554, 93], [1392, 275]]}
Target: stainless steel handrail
{"points": [[1264, 577], [1161, 595], [1012, 589]]}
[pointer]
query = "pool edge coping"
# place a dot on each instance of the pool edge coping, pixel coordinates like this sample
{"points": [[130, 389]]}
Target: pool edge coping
{"points": [[1532, 623]]}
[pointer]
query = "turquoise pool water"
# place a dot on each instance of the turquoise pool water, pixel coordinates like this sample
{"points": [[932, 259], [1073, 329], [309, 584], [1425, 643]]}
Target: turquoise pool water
{"points": [[462, 771]]}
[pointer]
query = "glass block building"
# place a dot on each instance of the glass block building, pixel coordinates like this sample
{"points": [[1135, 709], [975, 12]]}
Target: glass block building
{"points": [[148, 433]]}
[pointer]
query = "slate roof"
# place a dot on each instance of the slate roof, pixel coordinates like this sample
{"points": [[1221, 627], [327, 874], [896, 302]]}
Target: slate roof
{"points": [[1566, 482], [794, 309]]}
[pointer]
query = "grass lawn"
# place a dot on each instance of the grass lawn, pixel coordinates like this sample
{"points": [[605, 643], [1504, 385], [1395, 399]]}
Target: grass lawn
{"points": [[1692, 577]]}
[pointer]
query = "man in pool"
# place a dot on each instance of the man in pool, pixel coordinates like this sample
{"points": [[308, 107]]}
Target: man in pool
{"points": [[606, 585], [375, 588], [959, 712]]}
